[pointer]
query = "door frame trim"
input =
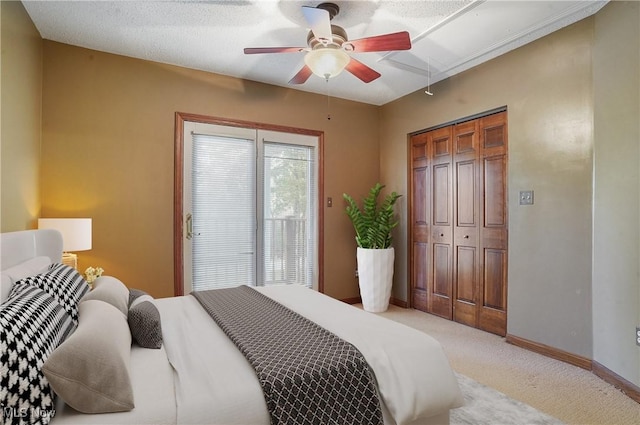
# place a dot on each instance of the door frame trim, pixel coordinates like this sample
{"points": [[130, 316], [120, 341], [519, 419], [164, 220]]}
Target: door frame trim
{"points": [[459, 121], [178, 169]]}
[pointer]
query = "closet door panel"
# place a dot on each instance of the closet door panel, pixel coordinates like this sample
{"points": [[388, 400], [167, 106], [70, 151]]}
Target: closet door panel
{"points": [[440, 294], [420, 202], [493, 233], [467, 219], [420, 275], [466, 198], [420, 236], [419, 221], [441, 242], [494, 277], [466, 283], [442, 195]]}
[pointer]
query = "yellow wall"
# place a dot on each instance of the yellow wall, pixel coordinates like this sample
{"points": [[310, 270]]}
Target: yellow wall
{"points": [[21, 88], [108, 140]]}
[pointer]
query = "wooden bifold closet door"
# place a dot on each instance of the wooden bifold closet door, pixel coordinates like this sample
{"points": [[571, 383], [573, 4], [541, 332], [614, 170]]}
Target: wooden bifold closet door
{"points": [[458, 218]]}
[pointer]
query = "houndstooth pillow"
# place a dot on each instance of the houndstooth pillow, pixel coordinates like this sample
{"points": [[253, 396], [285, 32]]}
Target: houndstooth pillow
{"points": [[64, 283], [32, 325]]}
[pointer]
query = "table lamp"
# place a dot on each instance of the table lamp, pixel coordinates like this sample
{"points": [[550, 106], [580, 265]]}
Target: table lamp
{"points": [[76, 236]]}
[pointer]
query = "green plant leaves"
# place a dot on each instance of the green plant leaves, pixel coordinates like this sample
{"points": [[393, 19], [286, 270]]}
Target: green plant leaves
{"points": [[373, 223]]}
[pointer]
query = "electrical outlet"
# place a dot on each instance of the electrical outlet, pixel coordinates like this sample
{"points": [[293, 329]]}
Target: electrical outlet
{"points": [[638, 335]]}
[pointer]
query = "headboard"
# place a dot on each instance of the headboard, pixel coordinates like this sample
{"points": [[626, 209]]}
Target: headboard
{"points": [[24, 253], [17, 247]]}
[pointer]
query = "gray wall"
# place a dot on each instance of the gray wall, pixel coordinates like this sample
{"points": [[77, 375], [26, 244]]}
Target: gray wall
{"points": [[616, 230], [546, 86], [572, 100]]}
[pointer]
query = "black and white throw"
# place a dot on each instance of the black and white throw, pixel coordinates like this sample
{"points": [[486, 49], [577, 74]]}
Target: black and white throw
{"points": [[32, 325], [308, 374], [64, 283]]}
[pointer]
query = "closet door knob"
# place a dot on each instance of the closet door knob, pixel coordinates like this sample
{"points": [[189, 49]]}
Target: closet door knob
{"points": [[466, 236]]}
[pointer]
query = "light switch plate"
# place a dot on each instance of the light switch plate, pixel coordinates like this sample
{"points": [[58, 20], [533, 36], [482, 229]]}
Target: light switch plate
{"points": [[526, 197]]}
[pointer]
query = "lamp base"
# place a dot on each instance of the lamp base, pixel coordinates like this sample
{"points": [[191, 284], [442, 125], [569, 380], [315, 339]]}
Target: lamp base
{"points": [[70, 259]]}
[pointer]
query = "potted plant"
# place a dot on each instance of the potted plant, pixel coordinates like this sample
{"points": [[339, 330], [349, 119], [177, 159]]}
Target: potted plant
{"points": [[375, 255]]}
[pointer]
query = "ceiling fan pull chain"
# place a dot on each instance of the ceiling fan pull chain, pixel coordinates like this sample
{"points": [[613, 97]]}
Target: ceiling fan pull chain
{"points": [[328, 105], [428, 90]]}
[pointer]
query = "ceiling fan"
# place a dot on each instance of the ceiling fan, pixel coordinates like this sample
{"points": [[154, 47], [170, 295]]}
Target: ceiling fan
{"points": [[328, 47]]}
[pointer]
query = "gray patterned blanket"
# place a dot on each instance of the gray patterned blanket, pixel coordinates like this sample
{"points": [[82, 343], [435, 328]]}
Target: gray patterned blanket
{"points": [[308, 374]]}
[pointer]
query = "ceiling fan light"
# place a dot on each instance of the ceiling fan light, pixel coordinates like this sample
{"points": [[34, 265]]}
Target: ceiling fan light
{"points": [[326, 62]]}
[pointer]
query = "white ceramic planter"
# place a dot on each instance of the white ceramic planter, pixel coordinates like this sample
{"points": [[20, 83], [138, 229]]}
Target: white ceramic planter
{"points": [[375, 271]]}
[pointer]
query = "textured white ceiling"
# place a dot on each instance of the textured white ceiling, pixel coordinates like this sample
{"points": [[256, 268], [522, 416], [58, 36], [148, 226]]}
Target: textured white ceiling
{"points": [[448, 36]]}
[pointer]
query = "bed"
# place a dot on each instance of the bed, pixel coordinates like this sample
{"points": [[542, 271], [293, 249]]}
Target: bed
{"points": [[198, 375]]}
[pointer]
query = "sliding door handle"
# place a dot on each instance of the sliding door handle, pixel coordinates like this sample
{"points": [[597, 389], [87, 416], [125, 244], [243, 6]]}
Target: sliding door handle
{"points": [[189, 226]]}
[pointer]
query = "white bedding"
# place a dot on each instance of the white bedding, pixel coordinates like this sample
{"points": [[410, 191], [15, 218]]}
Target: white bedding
{"points": [[153, 391], [199, 376], [414, 377], [214, 383]]}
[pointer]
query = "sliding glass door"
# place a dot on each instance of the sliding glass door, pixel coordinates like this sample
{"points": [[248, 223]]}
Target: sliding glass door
{"points": [[250, 202]]}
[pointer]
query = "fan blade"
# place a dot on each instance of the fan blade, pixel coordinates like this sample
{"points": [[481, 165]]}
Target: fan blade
{"points": [[382, 43], [361, 71], [319, 22], [302, 76], [254, 50]]}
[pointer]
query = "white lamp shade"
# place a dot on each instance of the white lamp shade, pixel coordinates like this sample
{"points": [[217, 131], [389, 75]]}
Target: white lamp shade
{"points": [[326, 62], [76, 232]]}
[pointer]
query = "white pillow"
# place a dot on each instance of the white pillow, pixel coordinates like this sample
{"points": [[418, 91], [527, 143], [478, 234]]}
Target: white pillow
{"points": [[28, 268], [5, 287], [110, 290], [90, 371]]}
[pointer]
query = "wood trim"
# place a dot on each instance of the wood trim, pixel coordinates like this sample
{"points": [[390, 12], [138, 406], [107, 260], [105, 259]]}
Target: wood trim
{"points": [[409, 218], [462, 120], [246, 124], [180, 118], [394, 301], [321, 207], [628, 388], [352, 300], [178, 261], [554, 353], [398, 302], [631, 390]]}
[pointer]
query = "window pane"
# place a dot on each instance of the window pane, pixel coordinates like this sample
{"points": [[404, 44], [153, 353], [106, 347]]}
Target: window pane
{"points": [[289, 214]]}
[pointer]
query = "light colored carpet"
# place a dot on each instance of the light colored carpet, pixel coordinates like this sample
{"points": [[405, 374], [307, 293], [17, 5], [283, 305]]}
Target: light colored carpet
{"points": [[571, 394]]}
